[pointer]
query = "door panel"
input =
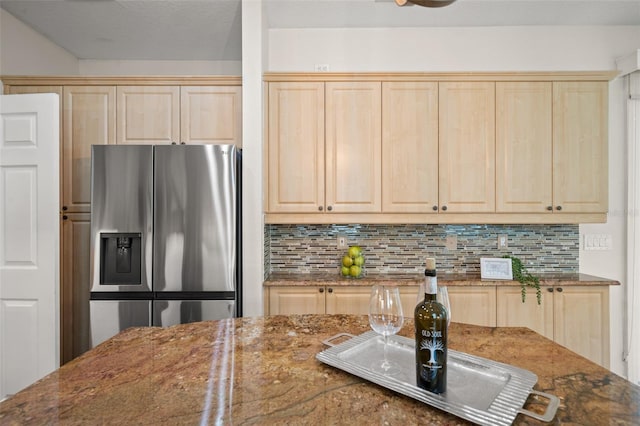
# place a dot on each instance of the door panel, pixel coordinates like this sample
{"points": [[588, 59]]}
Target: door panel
{"points": [[148, 115], [89, 119], [467, 147], [195, 218], [29, 239], [353, 147]]}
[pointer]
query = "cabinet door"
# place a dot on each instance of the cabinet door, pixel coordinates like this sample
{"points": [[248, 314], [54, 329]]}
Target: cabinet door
{"points": [[148, 114], [511, 312], [89, 119], [473, 305], [295, 148], [353, 147], [348, 300], [467, 147], [296, 300], [410, 147], [211, 115], [580, 172], [74, 291], [582, 321], [523, 147]]}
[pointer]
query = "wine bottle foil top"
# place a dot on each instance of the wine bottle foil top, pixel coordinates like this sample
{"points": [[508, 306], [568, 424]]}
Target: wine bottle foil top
{"points": [[430, 270]]}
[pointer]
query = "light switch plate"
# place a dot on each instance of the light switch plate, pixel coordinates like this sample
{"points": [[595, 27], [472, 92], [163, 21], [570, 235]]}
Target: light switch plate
{"points": [[597, 241]]}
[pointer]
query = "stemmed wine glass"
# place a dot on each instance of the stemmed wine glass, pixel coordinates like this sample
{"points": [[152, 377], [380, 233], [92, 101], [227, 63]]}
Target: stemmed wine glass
{"points": [[443, 298], [385, 317]]}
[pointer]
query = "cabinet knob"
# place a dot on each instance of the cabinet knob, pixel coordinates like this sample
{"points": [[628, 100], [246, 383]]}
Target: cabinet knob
{"points": [[319, 208], [329, 208], [65, 208], [444, 208], [65, 217], [434, 208], [330, 290], [550, 289], [549, 208], [182, 143], [321, 290], [558, 208], [173, 143], [559, 289]]}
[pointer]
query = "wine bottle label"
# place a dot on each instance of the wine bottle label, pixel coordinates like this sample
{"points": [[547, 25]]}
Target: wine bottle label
{"points": [[432, 342], [431, 284]]}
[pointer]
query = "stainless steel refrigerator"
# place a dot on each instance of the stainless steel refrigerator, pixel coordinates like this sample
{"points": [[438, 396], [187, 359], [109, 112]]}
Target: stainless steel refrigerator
{"points": [[165, 236]]}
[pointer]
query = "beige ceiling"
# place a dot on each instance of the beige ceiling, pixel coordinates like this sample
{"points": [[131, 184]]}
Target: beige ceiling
{"points": [[211, 29]]}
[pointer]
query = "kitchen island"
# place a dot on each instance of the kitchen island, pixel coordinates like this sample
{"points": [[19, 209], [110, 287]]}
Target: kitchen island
{"points": [[264, 371]]}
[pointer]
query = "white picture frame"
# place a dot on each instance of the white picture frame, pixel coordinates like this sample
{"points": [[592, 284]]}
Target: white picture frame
{"points": [[495, 268]]}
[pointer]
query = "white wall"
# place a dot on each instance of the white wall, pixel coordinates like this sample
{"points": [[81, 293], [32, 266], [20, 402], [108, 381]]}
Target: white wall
{"points": [[97, 67], [492, 49], [25, 52]]}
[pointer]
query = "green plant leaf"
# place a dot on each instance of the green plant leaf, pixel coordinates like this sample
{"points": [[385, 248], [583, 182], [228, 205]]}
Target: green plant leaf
{"points": [[525, 278]]}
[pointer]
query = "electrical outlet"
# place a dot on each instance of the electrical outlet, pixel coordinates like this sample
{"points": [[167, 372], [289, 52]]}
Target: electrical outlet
{"points": [[451, 242], [503, 241], [342, 241], [321, 67]]}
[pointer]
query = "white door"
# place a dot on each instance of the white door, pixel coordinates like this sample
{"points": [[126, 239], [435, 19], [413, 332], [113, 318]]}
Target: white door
{"points": [[29, 239]]}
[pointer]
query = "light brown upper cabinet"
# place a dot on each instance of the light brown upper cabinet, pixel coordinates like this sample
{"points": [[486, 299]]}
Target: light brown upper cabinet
{"points": [[467, 147], [211, 115], [353, 147], [148, 115], [295, 153], [324, 142], [551, 147], [524, 147], [89, 118], [580, 161], [410, 147], [180, 114], [454, 148]]}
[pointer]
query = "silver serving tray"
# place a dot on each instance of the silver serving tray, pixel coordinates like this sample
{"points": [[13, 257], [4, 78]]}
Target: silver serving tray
{"points": [[478, 389]]}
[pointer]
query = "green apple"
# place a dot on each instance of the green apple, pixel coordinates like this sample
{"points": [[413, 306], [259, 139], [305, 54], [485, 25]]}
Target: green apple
{"points": [[345, 271], [355, 271], [355, 251], [347, 261], [359, 261]]}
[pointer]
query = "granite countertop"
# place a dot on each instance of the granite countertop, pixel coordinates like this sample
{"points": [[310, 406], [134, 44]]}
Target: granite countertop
{"points": [[264, 371], [301, 279]]}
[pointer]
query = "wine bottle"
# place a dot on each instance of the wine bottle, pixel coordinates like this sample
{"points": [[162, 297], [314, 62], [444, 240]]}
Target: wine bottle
{"points": [[431, 336]]}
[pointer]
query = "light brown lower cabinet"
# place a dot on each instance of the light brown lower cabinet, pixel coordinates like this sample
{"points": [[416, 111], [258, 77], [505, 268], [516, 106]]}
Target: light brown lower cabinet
{"points": [[74, 285], [473, 305], [328, 300], [576, 317]]}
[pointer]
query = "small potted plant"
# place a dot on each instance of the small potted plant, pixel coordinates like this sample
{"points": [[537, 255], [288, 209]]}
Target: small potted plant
{"points": [[525, 278]]}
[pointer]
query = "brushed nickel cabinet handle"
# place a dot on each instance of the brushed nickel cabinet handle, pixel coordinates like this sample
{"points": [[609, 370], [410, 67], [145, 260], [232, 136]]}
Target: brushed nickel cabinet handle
{"points": [[319, 208], [434, 208], [444, 208]]}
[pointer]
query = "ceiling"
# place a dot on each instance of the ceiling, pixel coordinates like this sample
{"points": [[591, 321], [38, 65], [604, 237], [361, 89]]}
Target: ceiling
{"points": [[211, 29]]}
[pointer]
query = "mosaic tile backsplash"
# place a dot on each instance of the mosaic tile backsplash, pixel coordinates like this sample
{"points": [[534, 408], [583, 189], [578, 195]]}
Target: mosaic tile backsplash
{"points": [[403, 248]]}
